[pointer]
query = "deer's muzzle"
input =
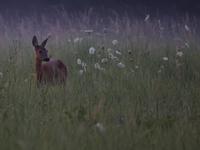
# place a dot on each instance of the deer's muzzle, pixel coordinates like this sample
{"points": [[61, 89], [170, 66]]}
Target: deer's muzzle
{"points": [[46, 59]]}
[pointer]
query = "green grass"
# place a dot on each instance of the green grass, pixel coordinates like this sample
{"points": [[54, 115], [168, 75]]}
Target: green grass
{"points": [[154, 107]]}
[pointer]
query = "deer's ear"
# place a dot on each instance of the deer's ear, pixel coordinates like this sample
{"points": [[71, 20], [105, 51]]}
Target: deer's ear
{"points": [[44, 42], [35, 41]]}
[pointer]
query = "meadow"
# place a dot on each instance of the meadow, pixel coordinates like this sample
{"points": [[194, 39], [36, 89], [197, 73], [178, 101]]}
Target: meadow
{"points": [[133, 83]]}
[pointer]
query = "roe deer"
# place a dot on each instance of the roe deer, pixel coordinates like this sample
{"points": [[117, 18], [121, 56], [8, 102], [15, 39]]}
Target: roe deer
{"points": [[52, 70]]}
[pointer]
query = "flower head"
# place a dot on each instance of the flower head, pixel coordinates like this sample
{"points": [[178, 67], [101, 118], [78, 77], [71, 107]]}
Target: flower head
{"points": [[109, 50], [84, 64], [97, 66], [121, 65], [80, 72], [159, 71], [99, 126], [165, 58], [180, 54], [117, 52], [186, 28], [79, 61], [111, 55], [91, 50], [104, 60], [187, 45], [1, 74], [114, 42], [147, 17], [76, 40], [88, 31], [115, 58]]}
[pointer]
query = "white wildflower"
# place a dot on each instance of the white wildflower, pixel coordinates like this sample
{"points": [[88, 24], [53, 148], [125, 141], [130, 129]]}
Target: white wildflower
{"points": [[26, 80], [100, 126], [165, 58], [114, 42], [132, 71], [186, 28], [111, 55], [80, 72], [69, 40], [1, 74], [136, 67], [109, 50], [117, 52], [159, 71], [83, 64], [180, 54], [97, 66], [76, 40], [115, 58], [104, 60], [91, 50], [187, 45], [88, 31], [147, 17], [121, 65], [79, 61]]}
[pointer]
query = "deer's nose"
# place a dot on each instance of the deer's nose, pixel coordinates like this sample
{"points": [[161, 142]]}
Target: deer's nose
{"points": [[46, 59]]}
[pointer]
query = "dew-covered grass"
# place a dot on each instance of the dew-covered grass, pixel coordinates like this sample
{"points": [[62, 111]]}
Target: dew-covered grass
{"points": [[132, 84]]}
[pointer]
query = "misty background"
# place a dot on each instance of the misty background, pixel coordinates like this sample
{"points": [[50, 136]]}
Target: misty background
{"points": [[67, 19], [139, 8]]}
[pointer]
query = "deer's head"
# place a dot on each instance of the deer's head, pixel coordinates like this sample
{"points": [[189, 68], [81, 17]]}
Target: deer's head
{"points": [[40, 51]]}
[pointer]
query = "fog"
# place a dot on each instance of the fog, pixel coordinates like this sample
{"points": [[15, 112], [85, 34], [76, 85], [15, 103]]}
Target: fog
{"points": [[70, 19]]}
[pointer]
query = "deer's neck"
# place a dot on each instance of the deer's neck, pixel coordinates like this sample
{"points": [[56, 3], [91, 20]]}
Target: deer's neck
{"points": [[38, 70]]}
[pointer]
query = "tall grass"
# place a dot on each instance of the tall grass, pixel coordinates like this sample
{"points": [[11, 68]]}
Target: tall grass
{"points": [[150, 103]]}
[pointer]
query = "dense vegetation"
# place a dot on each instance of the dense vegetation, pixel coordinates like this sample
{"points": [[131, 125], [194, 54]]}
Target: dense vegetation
{"points": [[132, 83]]}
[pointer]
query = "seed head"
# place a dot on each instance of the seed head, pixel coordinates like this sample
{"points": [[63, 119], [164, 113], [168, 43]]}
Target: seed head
{"points": [[104, 30], [102, 47]]}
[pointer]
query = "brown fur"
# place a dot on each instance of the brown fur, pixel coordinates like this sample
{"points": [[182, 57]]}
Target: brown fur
{"points": [[52, 71]]}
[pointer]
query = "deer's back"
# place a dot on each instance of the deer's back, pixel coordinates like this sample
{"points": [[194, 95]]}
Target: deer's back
{"points": [[54, 69]]}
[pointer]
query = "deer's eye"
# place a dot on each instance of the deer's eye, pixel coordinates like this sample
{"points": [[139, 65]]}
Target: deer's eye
{"points": [[40, 52]]}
